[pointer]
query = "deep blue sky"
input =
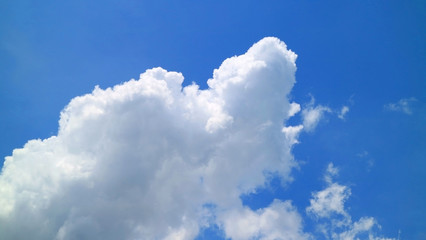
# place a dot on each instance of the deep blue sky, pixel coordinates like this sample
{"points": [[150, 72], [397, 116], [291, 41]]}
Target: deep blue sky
{"points": [[363, 54]]}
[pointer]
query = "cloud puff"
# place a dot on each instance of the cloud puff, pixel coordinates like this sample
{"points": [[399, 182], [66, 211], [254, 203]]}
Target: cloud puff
{"points": [[313, 114], [278, 221], [294, 108], [334, 222], [330, 200], [343, 112], [404, 105], [146, 158]]}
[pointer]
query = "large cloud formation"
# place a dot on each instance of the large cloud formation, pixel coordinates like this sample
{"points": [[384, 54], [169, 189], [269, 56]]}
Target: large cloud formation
{"points": [[150, 159]]}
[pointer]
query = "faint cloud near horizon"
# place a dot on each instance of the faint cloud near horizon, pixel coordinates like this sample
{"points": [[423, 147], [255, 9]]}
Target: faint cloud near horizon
{"points": [[404, 105]]}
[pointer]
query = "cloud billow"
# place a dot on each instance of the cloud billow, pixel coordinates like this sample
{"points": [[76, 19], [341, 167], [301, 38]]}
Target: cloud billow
{"points": [[144, 158], [150, 159]]}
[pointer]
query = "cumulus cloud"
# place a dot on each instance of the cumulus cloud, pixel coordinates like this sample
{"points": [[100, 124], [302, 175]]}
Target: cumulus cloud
{"points": [[334, 222], [143, 159], [403, 105], [150, 159]]}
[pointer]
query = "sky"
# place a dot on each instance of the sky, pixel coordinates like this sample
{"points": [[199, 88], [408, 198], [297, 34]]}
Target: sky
{"points": [[212, 119]]}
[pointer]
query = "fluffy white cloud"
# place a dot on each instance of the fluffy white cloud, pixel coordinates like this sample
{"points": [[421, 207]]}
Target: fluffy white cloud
{"points": [[403, 105], [294, 108], [143, 159], [292, 133], [330, 200], [334, 222], [150, 159], [278, 221]]}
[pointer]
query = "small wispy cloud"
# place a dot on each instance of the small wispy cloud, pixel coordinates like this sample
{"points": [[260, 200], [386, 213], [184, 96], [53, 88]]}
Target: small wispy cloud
{"points": [[343, 112], [365, 157], [313, 114], [404, 105]]}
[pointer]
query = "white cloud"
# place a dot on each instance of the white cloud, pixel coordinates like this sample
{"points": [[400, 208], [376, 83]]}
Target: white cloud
{"points": [[149, 159], [313, 114], [343, 112], [294, 108], [334, 222], [331, 172], [292, 133], [329, 201], [278, 221], [142, 159], [404, 105]]}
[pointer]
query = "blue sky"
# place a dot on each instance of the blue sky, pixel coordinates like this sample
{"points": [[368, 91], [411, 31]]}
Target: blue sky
{"points": [[367, 55]]}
